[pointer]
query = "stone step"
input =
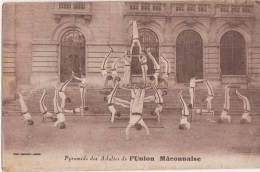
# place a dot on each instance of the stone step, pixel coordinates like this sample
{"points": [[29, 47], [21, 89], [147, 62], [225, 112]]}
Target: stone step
{"points": [[97, 105]]}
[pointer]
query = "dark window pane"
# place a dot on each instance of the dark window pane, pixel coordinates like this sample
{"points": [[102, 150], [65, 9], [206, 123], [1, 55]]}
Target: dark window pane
{"points": [[232, 54], [72, 54], [148, 39], [189, 54]]}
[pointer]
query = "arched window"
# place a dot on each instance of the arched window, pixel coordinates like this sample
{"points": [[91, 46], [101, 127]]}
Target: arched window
{"points": [[72, 54], [189, 56], [148, 39], [232, 54]]}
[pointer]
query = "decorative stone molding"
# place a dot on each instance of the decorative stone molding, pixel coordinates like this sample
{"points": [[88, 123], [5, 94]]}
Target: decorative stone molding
{"points": [[190, 22], [152, 9], [75, 9], [235, 23], [145, 20]]}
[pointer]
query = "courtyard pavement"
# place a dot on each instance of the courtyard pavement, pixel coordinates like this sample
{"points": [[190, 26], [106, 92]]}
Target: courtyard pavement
{"points": [[218, 145]]}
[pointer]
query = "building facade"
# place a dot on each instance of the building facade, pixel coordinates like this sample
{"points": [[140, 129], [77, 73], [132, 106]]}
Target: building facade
{"points": [[216, 40]]}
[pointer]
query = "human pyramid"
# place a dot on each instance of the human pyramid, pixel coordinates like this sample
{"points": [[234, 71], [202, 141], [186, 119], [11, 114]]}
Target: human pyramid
{"points": [[158, 84]]}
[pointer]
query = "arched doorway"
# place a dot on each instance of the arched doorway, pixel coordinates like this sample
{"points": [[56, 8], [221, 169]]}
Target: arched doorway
{"points": [[148, 39], [189, 56], [72, 56], [232, 54]]}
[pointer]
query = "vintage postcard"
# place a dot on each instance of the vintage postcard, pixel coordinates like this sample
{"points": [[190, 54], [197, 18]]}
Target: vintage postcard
{"points": [[130, 85]]}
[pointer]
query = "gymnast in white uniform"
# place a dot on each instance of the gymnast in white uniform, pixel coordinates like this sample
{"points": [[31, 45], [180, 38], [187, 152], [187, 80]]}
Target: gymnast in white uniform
{"points": [[24, 111], [113, 100], [158, 99], [184, 123], [193, 82], [224, 117], [136, 111], [43, 108], [156, 66], [60, 123], [246, 118]]}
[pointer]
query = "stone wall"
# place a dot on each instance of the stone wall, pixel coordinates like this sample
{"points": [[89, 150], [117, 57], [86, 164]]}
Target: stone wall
{"points": [[8, 52], [32, 32]]}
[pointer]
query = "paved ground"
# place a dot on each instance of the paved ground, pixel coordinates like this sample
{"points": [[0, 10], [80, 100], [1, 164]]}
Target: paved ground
{"points": [[219, 145]]}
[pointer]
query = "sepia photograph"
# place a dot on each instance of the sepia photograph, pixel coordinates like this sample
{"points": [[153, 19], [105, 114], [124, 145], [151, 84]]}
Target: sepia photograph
{"points": [[130, 85]]}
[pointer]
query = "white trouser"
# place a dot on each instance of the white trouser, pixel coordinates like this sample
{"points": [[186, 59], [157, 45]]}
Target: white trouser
{"points": [[83, 91], [156, 76], [144, 72], [158, 110], [126, 77], [192, 96], [24, 107], [63, 99], [209, 102]]}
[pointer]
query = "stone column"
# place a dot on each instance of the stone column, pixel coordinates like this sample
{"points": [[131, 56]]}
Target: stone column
{"points": [[9, 52]]}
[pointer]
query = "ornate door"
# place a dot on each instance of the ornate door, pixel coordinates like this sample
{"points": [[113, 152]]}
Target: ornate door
{"points": [[72, 54], [232, 54], [189, 56], [148, 39]]}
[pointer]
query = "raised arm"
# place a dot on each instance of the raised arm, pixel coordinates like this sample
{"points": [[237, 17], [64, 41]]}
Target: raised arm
{"points": [[150, 56], [77, 78], [166, 65], [65, 84]]}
